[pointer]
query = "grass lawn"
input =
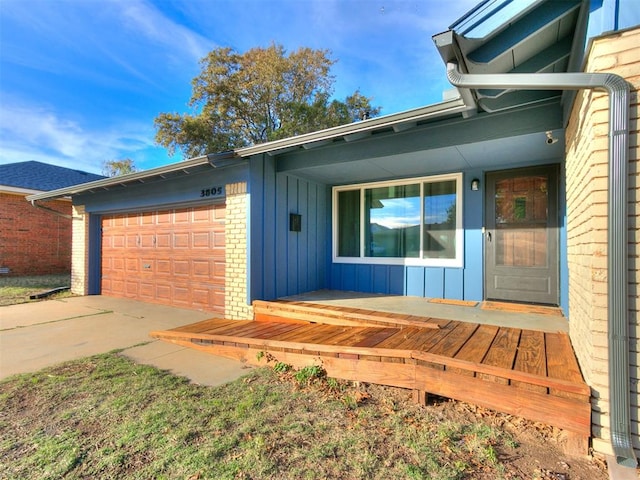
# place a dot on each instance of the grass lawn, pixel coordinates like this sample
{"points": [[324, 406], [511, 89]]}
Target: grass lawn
{"points": [[15, 290], [107, 417]]}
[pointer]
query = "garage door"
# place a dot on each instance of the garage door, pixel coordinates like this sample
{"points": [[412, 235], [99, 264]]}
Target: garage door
{"points": [[173, 257]]}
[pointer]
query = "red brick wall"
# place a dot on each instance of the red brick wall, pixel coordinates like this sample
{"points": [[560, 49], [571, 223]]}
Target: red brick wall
{"points": [[34, 241]]}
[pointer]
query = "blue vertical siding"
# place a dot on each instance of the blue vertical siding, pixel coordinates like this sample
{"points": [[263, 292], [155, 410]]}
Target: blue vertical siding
{"points": [[291, 252], [282, 262], [280, 228], [563, 249], [396, 280], [94, 285], [380, 279], [454, 283], [473, 280], [434, 282], [415, 281], [612, 15]]}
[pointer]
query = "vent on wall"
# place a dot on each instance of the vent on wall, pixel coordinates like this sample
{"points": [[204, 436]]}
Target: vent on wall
{"points": [[4, 270]]}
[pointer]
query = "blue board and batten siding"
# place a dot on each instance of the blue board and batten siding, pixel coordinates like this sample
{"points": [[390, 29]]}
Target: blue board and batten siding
{"points": [[283, 262]]}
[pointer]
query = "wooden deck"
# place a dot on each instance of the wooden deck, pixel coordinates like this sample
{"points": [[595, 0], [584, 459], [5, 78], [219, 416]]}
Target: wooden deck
{"points": [[528, 373]]}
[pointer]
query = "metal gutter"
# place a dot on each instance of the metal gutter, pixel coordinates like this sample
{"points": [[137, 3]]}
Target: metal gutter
{"points": [[54, 212], [215, 160], [456, 105], [617, 265]]}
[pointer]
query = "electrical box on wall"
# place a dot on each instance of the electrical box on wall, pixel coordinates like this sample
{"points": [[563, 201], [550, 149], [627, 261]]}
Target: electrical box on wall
{"points": [[295, 222]]}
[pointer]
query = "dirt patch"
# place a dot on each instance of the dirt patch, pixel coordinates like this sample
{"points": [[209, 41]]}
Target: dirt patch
{"points": [[531, 450]]}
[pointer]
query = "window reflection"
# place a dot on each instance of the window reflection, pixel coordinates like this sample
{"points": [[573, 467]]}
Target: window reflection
{"points": [[393, 221]]}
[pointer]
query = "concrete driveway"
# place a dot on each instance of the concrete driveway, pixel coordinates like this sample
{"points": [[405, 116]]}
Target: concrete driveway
{"points": [[37, 335]]}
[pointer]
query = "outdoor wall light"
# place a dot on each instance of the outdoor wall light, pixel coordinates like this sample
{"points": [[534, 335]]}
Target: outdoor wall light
{"points": [[475, 184]]}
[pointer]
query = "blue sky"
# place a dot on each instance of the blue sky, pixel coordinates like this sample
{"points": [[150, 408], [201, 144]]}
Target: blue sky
{"points": [[81, 81]]}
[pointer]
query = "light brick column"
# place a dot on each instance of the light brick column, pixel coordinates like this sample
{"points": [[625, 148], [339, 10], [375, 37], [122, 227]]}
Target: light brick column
{"points": [[237, 206], [79, 250], [587, 180]]}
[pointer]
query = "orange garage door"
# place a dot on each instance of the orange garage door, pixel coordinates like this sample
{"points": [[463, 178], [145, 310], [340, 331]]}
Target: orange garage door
{"points": [[173, 257]]}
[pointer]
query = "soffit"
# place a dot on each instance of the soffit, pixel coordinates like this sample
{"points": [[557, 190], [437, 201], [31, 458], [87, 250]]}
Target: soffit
{"points": [[485, 141], [528, 36]]}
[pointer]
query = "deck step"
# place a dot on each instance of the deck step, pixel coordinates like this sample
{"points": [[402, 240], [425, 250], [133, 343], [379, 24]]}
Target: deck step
{"points": [[265, 311]]}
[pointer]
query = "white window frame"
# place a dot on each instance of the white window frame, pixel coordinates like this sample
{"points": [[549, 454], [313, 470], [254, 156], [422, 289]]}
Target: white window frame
{"points": [[420, 261]]}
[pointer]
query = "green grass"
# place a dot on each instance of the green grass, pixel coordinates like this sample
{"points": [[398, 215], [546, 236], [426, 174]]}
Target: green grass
{"points": [[106, 417], [14, 290]]}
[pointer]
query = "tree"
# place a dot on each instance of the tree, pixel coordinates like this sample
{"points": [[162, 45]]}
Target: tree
{"points": [[114, 168], [264, 94]]}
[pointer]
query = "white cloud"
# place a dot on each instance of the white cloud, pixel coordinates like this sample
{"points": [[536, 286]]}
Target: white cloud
{"points": [[39, 133], [144, 19]]}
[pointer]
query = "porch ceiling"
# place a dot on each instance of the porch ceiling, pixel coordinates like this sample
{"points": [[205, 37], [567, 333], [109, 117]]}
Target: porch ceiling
{"points": [[488, 155]]}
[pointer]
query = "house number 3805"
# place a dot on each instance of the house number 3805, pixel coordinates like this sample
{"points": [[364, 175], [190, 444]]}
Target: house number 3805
{"points": [[211, 192]]}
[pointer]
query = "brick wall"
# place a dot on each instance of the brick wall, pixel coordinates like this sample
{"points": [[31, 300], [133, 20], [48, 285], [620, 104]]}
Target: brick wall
{"points": [[236, 252], [587, 167], [34, 241]]}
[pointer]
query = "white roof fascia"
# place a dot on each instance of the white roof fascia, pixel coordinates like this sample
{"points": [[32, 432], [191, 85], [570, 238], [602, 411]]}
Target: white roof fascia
{"points": [[18, 190], [455, 105], [125, 179]]}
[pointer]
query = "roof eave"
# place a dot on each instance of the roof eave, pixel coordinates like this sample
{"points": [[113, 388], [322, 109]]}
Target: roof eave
{"points": [[409, 116], [215, 160]]}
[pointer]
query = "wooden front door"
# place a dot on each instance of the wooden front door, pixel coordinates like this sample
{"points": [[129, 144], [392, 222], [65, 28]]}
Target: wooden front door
{"points": [[521, 235]]}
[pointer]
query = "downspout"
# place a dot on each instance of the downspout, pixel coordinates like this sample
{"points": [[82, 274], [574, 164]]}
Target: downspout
{"points": [[617, 265]]}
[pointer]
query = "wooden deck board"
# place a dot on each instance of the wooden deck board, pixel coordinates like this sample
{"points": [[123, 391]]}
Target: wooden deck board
{"points": [[371, 337], [295, 333], [502, 352], [220, 328], [561, 362], [249, 329], [531, 358], [277, 329], [416, 338], [332, 314], [397, 338], [476, 348], [455, 340], [525, 372], [204, 325]]}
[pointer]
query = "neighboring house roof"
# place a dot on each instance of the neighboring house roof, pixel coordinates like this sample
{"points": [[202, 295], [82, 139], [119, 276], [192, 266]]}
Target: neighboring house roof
{"points": [[42, 177]]}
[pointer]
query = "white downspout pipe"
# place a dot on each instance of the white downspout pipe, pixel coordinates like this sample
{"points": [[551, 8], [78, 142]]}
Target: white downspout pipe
{"points": [[617, 265]]}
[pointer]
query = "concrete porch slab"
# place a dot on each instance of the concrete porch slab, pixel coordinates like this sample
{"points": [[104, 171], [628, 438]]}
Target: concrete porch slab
{"points": [[423, 307]]}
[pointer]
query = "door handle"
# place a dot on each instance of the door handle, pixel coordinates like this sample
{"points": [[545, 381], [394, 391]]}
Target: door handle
{"points": [[489, 236]]}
